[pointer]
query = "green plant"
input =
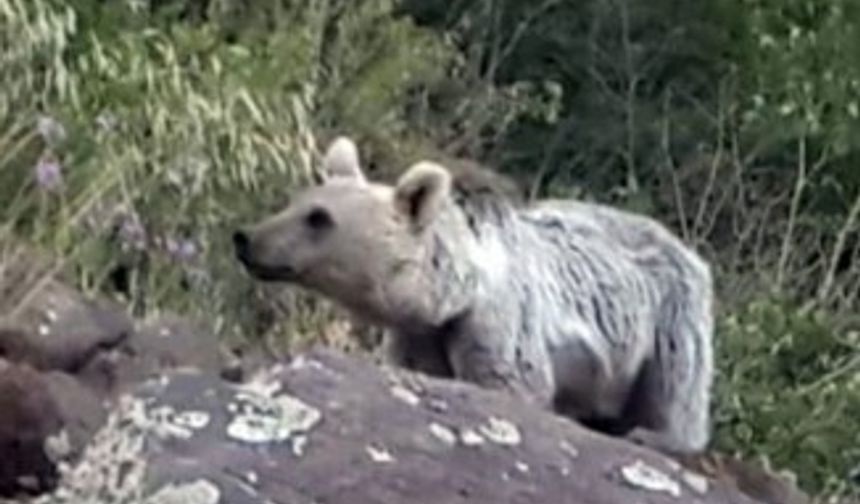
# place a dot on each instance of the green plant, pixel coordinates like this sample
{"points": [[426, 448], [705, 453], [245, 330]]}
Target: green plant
{"points": [[789, 389]]}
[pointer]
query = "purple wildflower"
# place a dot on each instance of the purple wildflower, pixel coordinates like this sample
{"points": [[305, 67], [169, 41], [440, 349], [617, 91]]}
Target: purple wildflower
{"points": [[171, 245], [51, 130], [132, 232], [183, 250], [187, 249], [49, 173]]}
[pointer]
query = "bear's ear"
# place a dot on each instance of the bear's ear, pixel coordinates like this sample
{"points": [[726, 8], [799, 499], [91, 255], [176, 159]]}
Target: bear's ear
{"points": [[341, 161], [420, 192]]}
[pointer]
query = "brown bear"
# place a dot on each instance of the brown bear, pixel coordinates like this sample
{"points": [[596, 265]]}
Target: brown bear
{"points": [[600, 314]]}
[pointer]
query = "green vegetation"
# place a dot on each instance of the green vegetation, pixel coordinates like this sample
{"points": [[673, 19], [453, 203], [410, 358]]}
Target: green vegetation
{"points": [[135, 134]]}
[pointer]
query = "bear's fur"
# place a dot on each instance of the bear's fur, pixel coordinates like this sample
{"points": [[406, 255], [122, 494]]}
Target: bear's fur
{"points": [[600, 314]]}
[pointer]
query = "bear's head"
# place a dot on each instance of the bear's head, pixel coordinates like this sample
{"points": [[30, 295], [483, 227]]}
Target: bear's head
{"points": [[365, 245]]}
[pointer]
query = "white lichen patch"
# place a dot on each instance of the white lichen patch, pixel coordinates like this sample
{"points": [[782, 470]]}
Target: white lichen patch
{"points": [[197, 492], [112, 467], [404, 394], [58, 446], [569, 449], [379, 454], [298, 446], [262, 419], [695, 481], [501, 431], [304, 362], [471, 438], [443, 433], [193, 419], [437, 405], [166, 422], [641, 475]]}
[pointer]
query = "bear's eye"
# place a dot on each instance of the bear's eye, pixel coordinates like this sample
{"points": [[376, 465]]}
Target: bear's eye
{"points": [[319, 218]]}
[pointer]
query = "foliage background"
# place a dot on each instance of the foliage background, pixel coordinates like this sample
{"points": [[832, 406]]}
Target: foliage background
{"points": [[135, 134]]}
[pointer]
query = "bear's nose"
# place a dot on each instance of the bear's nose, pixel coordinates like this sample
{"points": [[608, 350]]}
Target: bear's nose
{"points": [[242, 245]]}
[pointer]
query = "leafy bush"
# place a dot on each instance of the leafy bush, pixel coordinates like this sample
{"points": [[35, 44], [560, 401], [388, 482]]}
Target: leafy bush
{"points": [[789, 390]]}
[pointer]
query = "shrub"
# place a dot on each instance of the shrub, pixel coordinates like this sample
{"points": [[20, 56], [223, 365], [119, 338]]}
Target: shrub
{"points": [[789, 390]]}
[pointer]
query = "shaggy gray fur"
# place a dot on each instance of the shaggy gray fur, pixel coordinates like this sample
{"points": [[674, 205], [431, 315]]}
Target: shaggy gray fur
{"points": [[602, 314]]}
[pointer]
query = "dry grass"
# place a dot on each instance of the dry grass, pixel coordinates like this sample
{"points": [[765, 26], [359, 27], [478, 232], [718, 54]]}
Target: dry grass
{"points": [[156, 149]]}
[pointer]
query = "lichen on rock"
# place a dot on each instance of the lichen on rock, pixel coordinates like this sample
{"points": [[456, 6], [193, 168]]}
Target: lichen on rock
{"points": [[197, 492], [501, 431], [643, 476], [112, 467]]}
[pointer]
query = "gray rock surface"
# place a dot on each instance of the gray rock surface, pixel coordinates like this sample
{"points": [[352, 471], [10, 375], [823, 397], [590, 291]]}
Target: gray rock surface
{"points": [[336, 429], [54, 327]]}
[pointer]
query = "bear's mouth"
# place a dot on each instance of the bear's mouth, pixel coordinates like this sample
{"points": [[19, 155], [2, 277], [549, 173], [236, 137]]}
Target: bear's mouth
{"points": [[271, 273]]}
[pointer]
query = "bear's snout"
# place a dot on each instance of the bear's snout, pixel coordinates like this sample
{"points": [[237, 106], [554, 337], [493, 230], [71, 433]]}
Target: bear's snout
{"points": [[247, 249], [242, 246]]}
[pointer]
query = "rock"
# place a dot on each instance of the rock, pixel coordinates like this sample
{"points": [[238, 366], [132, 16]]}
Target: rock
{"points": [[161, 343], [82, 411], [330, 428], [44, 399], [54, 327], [28, 415], [45, 418]]}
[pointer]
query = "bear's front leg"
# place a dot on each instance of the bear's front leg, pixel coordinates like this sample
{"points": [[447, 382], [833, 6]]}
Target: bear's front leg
{"points": [[421, 353], [488, 359]]}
